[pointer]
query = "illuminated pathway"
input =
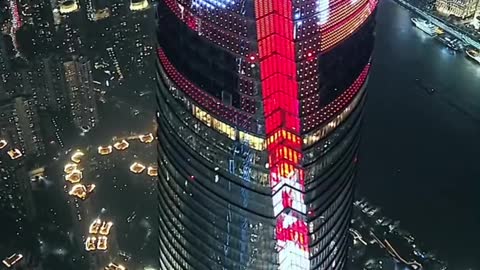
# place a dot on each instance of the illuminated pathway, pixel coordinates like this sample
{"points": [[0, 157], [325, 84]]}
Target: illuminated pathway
{"points": [[13, 153], [388, 247], [73, 171], [357, 236], [83, 164]]}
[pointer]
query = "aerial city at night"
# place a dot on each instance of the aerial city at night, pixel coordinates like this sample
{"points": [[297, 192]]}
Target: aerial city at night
{"points": [[239, 134]]}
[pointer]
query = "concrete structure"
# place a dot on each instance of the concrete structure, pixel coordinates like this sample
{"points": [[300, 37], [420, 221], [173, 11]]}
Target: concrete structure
{"points": [[459, 8]]}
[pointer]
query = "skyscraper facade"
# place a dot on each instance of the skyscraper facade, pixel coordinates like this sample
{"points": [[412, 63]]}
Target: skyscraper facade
{"points": [[260, 104], [16, 197], [78, 77], [20, 126], [5, 67], [52, 94]]}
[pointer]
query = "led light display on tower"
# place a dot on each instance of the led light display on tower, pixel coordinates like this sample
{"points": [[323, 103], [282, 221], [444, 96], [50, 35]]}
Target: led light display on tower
{"points": [[323, 9], [260, 104], [210, 4]]}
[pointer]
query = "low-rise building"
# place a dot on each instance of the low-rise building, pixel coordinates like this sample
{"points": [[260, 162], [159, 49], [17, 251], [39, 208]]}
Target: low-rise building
{"points": [[458, 8]]}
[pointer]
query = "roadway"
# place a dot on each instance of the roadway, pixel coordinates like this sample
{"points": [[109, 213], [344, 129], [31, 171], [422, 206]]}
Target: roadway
{"points": [[441, 24]]}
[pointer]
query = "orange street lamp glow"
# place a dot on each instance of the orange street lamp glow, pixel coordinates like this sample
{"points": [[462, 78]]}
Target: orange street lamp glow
{"points": [[121, 145], [147, 138], [81, 191], [136, 5], [102, 243], [76, 157], [69, 168], [90, 243], [12, 260], [105, 150], [74, 177], [137, 168], [105, 228], [112, 266], [69, 7], [95, 226], [3, 143], [90, 188], [152, 171], [15, 153]]}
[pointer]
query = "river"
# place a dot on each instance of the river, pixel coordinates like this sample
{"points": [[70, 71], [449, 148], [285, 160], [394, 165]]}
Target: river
{"points": [[420, 152]]}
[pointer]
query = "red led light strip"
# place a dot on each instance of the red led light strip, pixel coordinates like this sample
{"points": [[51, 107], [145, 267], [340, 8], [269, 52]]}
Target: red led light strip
{"points": [[278, 72]]}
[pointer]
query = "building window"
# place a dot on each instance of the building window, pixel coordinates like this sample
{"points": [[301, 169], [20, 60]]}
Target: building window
{"points": [[254, 142]]}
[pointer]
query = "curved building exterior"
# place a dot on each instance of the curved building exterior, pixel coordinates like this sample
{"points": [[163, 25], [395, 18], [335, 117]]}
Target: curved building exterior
{"points": [[260, 104]]}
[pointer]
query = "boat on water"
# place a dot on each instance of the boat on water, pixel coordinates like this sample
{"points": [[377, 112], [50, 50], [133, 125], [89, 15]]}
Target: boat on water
{"points": [[425, 26], [451, 42], [473, 54]]}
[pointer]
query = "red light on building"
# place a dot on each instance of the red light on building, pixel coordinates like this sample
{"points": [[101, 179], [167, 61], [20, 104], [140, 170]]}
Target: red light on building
{"points": [[220, 66], [278, 71], [310, 56], [252, 58]]}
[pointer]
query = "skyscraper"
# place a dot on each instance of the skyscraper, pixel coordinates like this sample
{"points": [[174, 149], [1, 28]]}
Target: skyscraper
{"points": [[5, 67], [260, 104], [54, 95], [20, 125], [16, 199], [78, 76]]}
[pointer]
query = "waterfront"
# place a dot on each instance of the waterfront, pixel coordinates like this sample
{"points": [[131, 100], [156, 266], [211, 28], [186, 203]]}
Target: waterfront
{"points": [[419, 150]]}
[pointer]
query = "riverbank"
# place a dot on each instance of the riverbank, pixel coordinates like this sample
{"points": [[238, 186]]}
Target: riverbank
{"points": [[465, 38], [419, 152]]}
